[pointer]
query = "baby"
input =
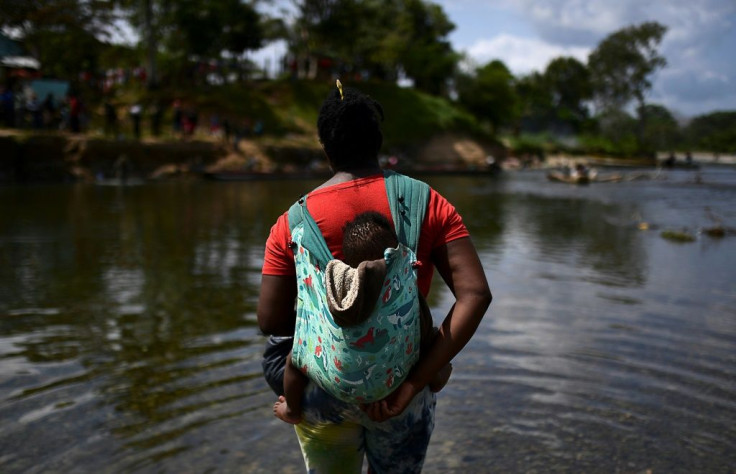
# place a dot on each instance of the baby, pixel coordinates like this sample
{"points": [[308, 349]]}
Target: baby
{"points": [[364, 240]]}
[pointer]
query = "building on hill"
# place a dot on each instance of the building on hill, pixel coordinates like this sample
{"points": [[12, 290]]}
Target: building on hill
{"points": [[14, 62]]}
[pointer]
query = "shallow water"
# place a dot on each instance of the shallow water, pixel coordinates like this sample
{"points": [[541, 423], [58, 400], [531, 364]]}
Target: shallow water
{"points": [[128, 340]]}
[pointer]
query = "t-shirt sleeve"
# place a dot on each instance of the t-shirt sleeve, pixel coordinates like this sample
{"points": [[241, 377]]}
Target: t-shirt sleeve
{"points": [[279, 258], [444, 222]]}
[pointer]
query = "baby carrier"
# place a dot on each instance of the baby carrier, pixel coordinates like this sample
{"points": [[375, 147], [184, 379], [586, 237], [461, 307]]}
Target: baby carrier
{"points": [[367, 361]]}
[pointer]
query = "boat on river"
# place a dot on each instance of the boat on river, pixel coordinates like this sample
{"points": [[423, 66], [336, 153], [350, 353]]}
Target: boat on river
{"points": [[673, 163], [579, 176]]}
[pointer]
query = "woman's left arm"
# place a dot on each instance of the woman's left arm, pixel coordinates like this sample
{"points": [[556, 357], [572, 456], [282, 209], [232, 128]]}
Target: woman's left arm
{"points": [[276, 314], [459, 265]]}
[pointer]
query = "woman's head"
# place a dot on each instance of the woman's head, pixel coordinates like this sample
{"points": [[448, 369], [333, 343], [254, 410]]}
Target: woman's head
{"points": [[349, 128]]}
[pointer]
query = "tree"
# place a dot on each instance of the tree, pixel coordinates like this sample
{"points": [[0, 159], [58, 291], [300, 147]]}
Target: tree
{"points": [[426, 54], [568, 82], [622, 63], [66, 54], [380, 37], [715, 131], [64, 35], [26, 17], [621, 66], [201, 28], [349, 31], [662, 131], [617, 130], [534, 104], [489, 94]]}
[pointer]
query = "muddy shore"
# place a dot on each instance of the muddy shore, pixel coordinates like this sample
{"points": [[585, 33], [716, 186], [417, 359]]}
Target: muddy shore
{"points": [[63, 157], [60, 157]]}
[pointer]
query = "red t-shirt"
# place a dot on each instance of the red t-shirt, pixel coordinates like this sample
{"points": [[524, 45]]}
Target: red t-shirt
{"points": [[332, 207]]}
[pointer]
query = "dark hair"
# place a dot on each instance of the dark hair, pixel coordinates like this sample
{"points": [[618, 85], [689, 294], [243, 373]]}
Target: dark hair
{"points": [[350, 128], [366, 237]]}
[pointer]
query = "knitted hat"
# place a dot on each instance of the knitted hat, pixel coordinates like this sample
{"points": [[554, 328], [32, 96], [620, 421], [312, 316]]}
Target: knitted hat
{"points": [[352, 292]]}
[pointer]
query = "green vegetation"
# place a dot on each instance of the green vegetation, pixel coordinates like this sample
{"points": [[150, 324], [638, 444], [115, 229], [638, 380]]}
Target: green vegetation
{"points": [[678, 236], [290, 107], [415, 116], [411, 115], [197, 51], [715, 131]]}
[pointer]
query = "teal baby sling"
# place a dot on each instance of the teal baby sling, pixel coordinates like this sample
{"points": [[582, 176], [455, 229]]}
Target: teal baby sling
{"points": [[367, 361]]}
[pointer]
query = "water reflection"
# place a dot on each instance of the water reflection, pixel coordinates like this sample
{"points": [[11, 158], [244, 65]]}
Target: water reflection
{"points": [[127, 324]]}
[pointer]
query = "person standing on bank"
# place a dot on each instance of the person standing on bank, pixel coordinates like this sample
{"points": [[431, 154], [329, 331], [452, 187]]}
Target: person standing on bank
{"points": [[392, 433]]}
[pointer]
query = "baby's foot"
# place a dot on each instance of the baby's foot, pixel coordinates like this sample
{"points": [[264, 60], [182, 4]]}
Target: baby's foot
{"points": [[282, 412], [440, 379]]}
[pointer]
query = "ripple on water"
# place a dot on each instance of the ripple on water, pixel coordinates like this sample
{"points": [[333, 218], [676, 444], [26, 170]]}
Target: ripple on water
{"points": [[605, 349]]}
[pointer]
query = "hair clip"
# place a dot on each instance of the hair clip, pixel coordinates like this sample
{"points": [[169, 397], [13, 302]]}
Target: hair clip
{"points": [[339, 87]]}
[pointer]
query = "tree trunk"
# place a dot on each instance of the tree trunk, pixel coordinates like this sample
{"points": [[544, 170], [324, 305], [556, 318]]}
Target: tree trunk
{"points": [[152, 78], [642, 123]]}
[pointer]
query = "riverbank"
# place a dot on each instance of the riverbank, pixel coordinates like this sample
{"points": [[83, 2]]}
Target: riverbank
{"points": [[65, 157], [29, 157]]}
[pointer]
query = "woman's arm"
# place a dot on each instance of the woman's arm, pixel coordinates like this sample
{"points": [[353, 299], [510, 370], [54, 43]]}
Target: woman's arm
{"points": [[276, 314], [459, 265]]}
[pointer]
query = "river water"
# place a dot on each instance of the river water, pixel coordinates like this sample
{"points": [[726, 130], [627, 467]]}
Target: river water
{"points": [[128, 336]]}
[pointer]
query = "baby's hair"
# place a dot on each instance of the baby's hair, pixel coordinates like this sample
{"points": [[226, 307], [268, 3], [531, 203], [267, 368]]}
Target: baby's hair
{"points": [[366, 237], [349, 128]]}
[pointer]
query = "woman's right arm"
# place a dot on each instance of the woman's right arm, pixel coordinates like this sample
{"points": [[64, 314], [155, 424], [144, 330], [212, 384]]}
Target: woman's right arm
{"points": [[276, 308], [276, 314]]}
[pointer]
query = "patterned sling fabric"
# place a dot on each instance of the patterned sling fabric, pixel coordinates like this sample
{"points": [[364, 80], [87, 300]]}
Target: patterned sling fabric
{"points": [[365, 362]]}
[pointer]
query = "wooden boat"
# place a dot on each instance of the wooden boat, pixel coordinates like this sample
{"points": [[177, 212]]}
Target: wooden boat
{"points": [[583, 178], [568, 178]]}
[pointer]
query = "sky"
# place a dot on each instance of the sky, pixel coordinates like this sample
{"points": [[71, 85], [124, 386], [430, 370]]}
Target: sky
{"points": [[699, 46]]}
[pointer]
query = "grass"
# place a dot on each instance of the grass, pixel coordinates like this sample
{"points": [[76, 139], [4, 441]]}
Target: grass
{"points": [[677, 236], [289, 108]]}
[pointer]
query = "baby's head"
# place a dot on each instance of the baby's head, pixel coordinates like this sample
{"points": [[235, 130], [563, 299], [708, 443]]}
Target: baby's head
{"points": [[366, 237]]}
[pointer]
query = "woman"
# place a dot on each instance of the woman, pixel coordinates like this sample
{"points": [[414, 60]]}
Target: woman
{"points": [[393, 433]]}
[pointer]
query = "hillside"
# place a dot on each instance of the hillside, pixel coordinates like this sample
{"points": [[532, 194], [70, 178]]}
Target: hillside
{"points": [[271, 127], [288, 112]]}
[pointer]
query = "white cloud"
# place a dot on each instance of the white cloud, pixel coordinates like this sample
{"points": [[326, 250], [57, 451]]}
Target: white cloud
{"points": [[695, 92], [568, 21], [523, 55], [700, 75]]}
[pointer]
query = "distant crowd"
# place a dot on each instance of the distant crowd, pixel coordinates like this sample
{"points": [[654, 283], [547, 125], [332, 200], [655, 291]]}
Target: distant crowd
{"points": [[27, 111], [70, 113]]}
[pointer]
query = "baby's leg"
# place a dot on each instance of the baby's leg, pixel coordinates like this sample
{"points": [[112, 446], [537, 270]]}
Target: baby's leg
{"points": [[289, 407]]}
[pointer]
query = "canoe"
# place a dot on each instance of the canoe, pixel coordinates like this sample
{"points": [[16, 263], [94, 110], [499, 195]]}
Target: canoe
{"points": [[592, 177], [566, 178]]}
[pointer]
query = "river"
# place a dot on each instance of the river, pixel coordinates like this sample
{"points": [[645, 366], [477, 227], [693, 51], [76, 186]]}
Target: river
{"points": [[129, 341]]}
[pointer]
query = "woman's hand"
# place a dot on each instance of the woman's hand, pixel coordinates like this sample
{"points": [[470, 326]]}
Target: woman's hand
{"points": [[394, 404]]}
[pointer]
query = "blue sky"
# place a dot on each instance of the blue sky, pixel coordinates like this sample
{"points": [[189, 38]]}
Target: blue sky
{"points": [[700, 44]]}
